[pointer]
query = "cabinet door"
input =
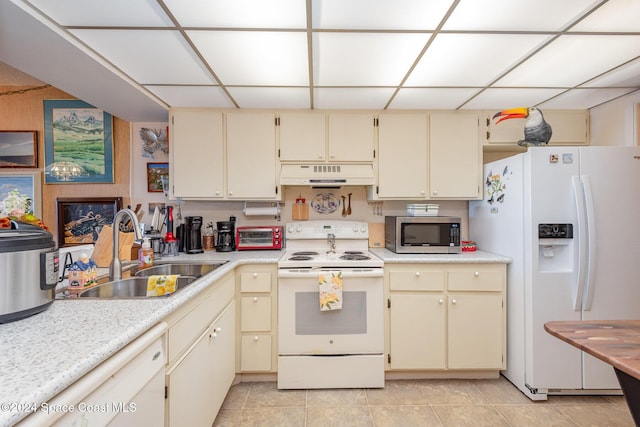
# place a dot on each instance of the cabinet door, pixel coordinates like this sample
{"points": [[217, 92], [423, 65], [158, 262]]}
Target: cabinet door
{"points": [[211, 366], [475, 331], [351, 137], [455, 156], [402, 156], [255, 353], [417, 331], [255, 313], [251, 156], [197, 167], [569, 127], [302, 137]]}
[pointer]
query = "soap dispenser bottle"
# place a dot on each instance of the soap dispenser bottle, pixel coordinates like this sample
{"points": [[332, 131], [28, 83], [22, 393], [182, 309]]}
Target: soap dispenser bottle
{"points": [[145, 254]]}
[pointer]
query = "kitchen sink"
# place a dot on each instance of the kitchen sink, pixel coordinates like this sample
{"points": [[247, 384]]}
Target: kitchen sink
{"points": [[132, 287], [136, 286]]}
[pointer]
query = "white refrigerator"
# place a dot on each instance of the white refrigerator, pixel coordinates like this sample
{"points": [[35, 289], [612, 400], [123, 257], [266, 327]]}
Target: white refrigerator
{"points": [[569, 219]]}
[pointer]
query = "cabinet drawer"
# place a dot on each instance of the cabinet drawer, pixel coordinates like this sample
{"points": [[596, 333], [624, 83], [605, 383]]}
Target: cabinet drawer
{"points": [[255, 282], [255, 353], [184, 332], [255, 313], [478, 279], [417, 280]]}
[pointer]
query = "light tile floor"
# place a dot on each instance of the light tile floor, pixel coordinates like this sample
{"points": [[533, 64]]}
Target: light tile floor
{"points": [[414, 403]]}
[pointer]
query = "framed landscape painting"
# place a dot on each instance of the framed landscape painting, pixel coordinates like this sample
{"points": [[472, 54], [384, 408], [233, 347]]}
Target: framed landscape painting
{"points": [[155, 172], [78, 143], [18, 149], [20, 190]]}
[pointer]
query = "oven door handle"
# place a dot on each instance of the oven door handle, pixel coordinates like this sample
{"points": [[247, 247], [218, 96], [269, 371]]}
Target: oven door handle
{"points": [[313, 272]]}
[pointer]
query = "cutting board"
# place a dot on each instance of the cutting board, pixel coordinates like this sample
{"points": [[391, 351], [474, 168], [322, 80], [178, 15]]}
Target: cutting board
{"points": [[376, 235], [103, 251]]}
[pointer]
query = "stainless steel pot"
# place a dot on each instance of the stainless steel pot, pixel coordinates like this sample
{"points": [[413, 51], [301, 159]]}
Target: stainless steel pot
{"points": [[29, 263]]}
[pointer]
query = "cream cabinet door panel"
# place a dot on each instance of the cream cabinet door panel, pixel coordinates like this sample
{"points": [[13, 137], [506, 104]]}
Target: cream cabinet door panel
{"points": [[351, 137], [402, 156], [417, 331], [251, 156], [197, 168], [255, 353], [455, 156], [569, 127], [255, 282], [302, 137], [255, 313], [475, 331], [418, 279]]}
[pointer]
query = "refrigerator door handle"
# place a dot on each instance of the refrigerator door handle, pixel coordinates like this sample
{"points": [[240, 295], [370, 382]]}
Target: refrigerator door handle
{"points": [[578, 193], [591, 242]]}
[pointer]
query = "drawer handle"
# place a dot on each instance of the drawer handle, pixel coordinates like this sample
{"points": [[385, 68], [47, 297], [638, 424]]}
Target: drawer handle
{"points": [[255, 299], [256, 338], [453, 301], [214, 334], [417, 274], [477, 273], [255, 275], [441, 301]]}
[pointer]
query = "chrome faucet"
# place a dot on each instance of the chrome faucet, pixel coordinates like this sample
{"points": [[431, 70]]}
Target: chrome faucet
{"points": [[331, 240], [115, 268]]}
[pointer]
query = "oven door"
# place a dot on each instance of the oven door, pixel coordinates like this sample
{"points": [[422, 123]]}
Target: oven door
{"points": [[357, 328]]}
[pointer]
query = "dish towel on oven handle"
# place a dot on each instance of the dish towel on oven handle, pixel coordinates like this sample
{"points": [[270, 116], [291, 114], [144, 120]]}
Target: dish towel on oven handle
{"points": [[330, 288]]}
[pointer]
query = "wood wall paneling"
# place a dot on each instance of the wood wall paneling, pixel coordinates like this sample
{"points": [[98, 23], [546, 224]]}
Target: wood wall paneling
{"points": [[25, 112]]}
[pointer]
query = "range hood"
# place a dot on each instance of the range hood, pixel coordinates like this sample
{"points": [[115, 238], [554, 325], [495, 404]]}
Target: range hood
{"points": [[327, 175]]}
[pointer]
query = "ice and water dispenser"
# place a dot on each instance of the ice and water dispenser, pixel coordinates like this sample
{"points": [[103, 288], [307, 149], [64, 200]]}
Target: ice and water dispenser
{"points": [[556, 246]]}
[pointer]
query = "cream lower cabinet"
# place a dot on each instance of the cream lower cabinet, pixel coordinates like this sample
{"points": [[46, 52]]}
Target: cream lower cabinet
{"points": [[446, 316], [257, 318], [201, 353]]}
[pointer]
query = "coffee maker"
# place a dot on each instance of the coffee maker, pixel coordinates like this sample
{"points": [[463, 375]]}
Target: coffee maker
{"points": [[226, 240], [192, 235]]}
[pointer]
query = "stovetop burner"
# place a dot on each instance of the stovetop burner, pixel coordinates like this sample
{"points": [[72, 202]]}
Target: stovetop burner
{"points": [[305, 253], [358, 256], [300, 258]]}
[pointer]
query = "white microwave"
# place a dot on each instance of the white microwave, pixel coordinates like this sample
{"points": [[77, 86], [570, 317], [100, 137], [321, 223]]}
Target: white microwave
{"points": [[422, 234]]}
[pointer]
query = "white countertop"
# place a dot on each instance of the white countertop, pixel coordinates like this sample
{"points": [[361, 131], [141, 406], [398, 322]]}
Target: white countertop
{"points": [[44, 354]]}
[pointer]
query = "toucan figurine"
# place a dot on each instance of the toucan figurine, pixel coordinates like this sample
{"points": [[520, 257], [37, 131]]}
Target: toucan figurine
{"points": [[536, 130]]}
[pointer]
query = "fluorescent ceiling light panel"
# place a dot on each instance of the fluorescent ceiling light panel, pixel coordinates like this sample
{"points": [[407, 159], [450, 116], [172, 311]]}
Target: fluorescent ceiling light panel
{"points": [[470, 60], [379, 14], [123, 13], [431, 98], [239, 13], [510, 98], [192, 96], [351, 98], [149, 57], [626, 76], [364, 59], [571, 60], [255, 58], [583, 98], [510, 15], [614, 15], [271, 97]]}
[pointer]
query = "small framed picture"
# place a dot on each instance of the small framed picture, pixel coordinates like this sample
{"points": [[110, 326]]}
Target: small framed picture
{"points": [[155, 172], [80, 220], [18, 149]]}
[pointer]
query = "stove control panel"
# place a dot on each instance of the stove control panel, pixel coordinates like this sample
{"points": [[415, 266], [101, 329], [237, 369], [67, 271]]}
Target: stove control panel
{"points": [[320, 229]]}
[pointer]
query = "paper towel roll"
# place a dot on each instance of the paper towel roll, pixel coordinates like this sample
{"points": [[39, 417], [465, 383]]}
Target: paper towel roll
{"points": [[264, 211]]}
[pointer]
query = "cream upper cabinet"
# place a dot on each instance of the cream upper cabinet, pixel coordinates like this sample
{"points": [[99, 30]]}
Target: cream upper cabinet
{"points": [[569, 127], [402, 156], [351, 137], [251, 156], [197, 154], [455, 155], [302, 137], [446, 316]]}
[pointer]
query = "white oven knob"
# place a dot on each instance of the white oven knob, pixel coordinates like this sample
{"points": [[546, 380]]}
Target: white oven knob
{"points": [[290, 228], [363, 228], [355, 228], [298, 228]]}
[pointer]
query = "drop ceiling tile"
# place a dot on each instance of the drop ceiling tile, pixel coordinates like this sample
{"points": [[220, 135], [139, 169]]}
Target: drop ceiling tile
{"points": [[271, 97], [351, 98], [192, 96], [364, 59], [255, 58], [431, 98], [123, 13], [584, 98], [614, 15], [570, 60], [379, 14], [239, 13], [509, 15], [627, 75], [501, 98], [471, 59], [149, 57]]}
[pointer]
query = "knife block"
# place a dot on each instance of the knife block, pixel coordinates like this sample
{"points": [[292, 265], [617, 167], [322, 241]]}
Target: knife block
{"points": [[300, 211]]}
